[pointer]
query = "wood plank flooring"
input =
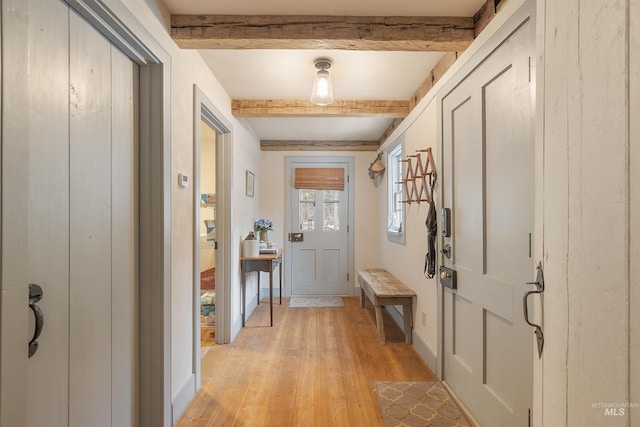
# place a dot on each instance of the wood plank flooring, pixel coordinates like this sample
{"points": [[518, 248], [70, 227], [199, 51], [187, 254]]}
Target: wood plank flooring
{"points": [[315, 367]]}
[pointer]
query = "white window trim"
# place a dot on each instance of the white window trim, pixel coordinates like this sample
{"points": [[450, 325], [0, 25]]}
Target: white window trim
{"points": [[393, 235]]}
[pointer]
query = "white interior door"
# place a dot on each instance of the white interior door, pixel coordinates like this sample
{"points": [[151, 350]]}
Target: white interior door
{"points": [[83, 224], [320, 261], [488, 159]]}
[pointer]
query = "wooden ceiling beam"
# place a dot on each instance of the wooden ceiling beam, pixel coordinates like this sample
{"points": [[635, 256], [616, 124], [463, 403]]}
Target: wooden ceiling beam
{"points": [[304, 108], [397, 33], [300, 145], [481, 19]]}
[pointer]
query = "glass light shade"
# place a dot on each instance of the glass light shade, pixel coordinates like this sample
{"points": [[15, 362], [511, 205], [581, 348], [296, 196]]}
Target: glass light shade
{"points": [[322, 92]]}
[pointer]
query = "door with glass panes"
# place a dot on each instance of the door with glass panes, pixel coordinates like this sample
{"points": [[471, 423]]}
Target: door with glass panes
{"points": [[319, 219]]}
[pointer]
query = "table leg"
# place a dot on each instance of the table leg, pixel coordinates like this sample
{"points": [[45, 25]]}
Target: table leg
{"points": [[271, 295], [280, 277], [408, 323], [243, 294], [259, 287], [380, 325]]}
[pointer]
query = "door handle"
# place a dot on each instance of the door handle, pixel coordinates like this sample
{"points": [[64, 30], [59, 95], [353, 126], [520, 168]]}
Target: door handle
{"points": [[296, 237], [35, 295], [539, 283]]}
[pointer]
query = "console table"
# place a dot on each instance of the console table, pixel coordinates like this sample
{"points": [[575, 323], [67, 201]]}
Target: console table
{"points": [[263, 262]]}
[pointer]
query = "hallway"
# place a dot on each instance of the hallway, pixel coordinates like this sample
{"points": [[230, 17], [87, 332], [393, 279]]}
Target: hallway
{"points": [[314, 367]]}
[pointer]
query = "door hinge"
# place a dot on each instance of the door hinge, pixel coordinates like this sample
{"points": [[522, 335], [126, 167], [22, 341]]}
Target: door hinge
{"points": [[529, 245], [347, 228], [348, 179], [347, 277], [529, 417]]}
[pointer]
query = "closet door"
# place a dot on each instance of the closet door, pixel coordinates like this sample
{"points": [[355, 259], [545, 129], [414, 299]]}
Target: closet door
{"points": [[488, 155], [83, 224]]}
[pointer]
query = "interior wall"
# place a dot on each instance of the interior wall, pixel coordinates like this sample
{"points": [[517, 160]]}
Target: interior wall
{"points": [[187, 68], [271, 187], [406, 262], [590, 236]]}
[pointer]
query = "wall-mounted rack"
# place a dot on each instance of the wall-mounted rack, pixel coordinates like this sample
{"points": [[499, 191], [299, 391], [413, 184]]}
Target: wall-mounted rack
{"points": [[416, 187]]}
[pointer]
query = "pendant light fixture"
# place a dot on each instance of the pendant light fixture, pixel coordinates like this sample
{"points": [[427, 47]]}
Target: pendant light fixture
{"points": [[322, 92]]}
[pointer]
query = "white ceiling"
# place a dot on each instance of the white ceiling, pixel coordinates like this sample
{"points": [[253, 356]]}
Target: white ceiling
{"points": [[288, 74]]}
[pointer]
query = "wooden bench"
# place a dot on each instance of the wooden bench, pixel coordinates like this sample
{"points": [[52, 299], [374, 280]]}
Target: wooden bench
{"points": [[382, 288]]}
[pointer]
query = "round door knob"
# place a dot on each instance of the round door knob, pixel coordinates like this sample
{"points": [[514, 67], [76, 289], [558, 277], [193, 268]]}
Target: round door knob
{"points": [[444, 275]]}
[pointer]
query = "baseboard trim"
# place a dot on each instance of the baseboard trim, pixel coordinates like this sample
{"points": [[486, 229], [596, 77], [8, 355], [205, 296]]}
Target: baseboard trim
{"points": [[236, 326], [183, 397], [429, 357]]}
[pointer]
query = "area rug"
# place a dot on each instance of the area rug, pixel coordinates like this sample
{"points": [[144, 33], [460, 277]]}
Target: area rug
{"points": [[303, 302], [418, 404]]}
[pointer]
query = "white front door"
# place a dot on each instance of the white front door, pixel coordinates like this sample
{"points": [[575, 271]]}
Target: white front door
{"points": [[82, 216], [488, 159], [320, 256]]}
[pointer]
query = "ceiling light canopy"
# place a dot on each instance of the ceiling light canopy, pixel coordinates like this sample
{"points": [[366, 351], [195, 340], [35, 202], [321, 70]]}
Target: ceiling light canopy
{"points": [[322, 92]]}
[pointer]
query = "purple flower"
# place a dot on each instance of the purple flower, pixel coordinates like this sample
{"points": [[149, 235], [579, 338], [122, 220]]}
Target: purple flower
{"points": [[263, 225]]}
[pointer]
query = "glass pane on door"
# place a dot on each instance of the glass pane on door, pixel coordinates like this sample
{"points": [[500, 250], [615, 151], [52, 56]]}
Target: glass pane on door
{"points": [[307, 209], [331, 210]]}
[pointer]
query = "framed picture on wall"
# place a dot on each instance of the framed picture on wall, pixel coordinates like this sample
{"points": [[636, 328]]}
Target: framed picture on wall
{"points": [[251, 179]]}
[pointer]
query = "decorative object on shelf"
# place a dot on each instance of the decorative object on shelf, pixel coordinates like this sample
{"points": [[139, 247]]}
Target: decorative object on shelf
{"points": [[415, 182], [263, 225], [251, 179], [376, 168], [250, 246]]}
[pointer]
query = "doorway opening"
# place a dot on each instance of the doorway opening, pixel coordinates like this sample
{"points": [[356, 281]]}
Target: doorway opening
{"points": [[207, 236], [212, 230]]}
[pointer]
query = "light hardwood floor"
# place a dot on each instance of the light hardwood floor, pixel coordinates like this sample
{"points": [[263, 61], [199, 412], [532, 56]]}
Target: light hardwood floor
{"points": [[315, 367]]}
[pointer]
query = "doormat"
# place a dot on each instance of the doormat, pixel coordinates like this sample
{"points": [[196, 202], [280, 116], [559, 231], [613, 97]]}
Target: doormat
{"points": [[303, 302], [418, 404]]}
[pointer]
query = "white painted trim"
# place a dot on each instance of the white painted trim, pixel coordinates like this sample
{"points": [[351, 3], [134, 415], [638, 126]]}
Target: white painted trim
{"points": [[101, 17], [430, 358], [538, 79], [183, 397], [288, 226], [204, 110], [421, 347]]}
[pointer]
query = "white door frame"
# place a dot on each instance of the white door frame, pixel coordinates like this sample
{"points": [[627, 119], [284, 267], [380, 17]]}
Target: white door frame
{"points": [[289, 160], [115, 22], [204, 110]]}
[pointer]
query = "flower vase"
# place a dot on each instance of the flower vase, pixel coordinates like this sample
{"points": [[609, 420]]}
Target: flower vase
{"points": [[263, 236]]}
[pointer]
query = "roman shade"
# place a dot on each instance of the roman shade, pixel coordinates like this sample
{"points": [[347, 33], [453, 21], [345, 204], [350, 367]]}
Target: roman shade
{"points": [[319, 178]]}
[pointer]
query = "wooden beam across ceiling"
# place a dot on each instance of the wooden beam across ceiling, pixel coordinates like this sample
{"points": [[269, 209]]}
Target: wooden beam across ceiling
{"points": [[397, 33], [304, 108], [300, 145]]}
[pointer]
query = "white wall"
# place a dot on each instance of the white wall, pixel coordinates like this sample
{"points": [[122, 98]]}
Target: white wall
{"points": [[591, 205], [270, 184], [187, 68], [406, 262]]}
